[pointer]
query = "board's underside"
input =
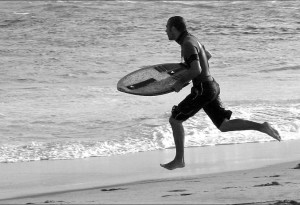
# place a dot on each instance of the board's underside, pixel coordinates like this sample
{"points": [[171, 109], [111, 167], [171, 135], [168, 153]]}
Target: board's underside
{"points": [[151, 80]]}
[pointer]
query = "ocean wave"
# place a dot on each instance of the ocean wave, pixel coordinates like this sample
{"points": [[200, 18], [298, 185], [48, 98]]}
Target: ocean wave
{"points": [[36, 151], [238, 30], [148, 134], [161, 139], [26, 80], [60, 7], [193, 4], [10, 22], [281, 69], [21, 13]]}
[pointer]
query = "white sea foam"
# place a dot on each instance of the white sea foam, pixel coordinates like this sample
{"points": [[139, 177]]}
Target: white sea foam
{"points": [[21, 13], [199, 132]]}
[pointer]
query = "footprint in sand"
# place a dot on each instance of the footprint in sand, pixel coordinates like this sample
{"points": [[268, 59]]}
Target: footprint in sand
{"points": [[232, 187], [297, 167], [268, 184], [177, 190], [275, 176], [49, 202], [113, 189], [268, 176], [185, 194]]}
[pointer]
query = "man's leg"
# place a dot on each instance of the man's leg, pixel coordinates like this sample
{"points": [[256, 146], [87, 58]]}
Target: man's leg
{"points": [[178, 134], [240, 124]]}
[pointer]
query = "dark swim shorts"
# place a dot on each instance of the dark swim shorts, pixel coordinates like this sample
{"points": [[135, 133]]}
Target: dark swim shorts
{"points": [[205, 95]]}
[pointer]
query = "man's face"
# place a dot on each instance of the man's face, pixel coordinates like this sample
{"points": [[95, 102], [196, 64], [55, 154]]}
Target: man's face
{"points": [[169, 31]]}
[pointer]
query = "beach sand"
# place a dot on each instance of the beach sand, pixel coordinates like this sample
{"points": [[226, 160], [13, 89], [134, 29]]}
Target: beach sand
{"points": [[255, 173]]}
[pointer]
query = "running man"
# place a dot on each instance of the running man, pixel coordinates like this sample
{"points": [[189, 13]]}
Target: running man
{"points": [[204, 93]]}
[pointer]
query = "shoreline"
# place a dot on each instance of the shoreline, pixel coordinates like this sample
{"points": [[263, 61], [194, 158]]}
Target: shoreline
{"points": [[37, 181], [274, 184]]}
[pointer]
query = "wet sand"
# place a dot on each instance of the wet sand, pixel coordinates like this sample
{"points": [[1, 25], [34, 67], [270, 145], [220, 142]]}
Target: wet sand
{"points": [[256, 173]]}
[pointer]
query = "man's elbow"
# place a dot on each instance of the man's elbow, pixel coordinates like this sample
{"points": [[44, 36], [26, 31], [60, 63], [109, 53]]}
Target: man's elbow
{"points": [[197, 72], [208, 55]]}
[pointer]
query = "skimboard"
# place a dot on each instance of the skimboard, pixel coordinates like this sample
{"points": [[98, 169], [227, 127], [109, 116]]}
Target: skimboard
{"points": [[152, 80]]}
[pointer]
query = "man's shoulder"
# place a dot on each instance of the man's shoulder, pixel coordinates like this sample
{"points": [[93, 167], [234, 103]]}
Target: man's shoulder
{"points": [[190, 40], [189, 43]]}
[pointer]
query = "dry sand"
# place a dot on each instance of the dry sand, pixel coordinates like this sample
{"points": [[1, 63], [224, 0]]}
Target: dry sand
{"points": [[265, 173]]}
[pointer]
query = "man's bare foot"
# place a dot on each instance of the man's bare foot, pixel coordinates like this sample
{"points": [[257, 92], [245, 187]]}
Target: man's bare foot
{"points": [[271, 131], [173, 165]]}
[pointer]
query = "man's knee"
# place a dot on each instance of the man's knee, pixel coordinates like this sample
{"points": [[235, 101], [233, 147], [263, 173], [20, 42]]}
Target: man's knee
{"points": [[177, 116], [173, 121]]}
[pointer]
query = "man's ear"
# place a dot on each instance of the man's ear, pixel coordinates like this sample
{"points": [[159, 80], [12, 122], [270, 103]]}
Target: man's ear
{"points": [[173, 29]]}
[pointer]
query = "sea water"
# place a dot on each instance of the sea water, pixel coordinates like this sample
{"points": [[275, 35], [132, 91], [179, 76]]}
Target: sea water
{"points": [[61, 61]]}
